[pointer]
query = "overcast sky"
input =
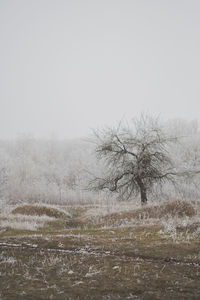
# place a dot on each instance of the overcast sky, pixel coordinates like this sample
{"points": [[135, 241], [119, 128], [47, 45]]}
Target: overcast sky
{"points": [[67, 66]]}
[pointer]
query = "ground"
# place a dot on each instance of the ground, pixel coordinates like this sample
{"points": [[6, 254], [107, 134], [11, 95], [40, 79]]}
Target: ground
{"points": [[125, 255]]}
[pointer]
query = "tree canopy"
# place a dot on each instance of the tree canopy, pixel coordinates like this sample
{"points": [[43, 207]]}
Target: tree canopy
{"points": [[135, 158]]}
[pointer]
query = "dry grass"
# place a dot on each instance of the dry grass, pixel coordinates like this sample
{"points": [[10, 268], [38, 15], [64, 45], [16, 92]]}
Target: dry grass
{"points": [[32, 217], [24, 222], [172, 209], [32, 210], [155, 257]]}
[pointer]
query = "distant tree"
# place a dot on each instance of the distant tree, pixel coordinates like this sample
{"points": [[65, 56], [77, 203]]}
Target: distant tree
{"points": [[134, 158]]}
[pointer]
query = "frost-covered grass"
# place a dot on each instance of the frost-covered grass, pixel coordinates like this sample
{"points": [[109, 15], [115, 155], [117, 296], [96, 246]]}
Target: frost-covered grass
{"points": [[170, 215], [24, 222], [30, 217], [113, 251]]}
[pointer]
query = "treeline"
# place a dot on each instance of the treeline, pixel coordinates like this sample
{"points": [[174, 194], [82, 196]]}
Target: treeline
{"points": [[50, 171], [58, 171]]}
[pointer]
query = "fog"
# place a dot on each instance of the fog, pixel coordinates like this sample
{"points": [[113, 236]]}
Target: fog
{"points": [[99, 149], [60, 171], [69, 66]]}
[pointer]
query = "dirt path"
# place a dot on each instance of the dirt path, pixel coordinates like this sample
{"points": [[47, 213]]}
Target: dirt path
{"points": [[100, 252]]}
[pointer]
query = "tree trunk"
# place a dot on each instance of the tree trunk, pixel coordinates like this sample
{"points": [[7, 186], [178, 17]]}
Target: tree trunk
{"points": [[143, 191], [143, 195]]}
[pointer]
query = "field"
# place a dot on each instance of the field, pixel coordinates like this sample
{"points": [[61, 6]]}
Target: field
{"points": [[90, 252]]}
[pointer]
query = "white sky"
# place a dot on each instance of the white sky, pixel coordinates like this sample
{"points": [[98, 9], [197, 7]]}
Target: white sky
{"points": [[67, 66]]}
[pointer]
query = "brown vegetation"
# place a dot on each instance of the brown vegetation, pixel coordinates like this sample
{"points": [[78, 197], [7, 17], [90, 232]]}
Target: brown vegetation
{"points": [[32, 210], [171, 209], [77, 258]]}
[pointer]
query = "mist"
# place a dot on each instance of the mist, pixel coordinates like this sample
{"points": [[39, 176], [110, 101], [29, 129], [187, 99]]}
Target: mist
{"points": [[99, 149]]}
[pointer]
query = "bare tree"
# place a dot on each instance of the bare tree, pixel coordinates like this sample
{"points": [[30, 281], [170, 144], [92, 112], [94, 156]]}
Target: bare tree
{"points": [[135, 158]]}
